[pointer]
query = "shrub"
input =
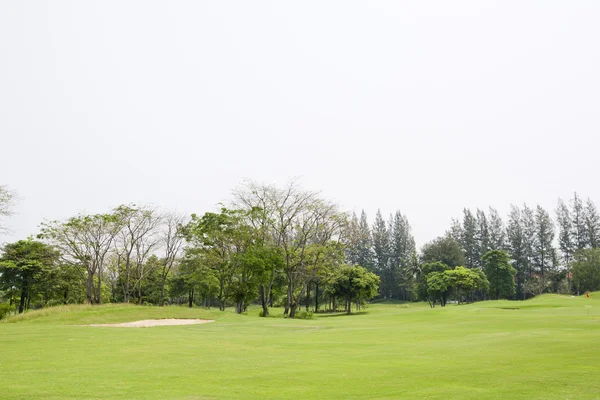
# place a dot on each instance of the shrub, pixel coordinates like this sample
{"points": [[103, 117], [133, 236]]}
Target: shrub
{"points": [[304, 315], [5, 310]]}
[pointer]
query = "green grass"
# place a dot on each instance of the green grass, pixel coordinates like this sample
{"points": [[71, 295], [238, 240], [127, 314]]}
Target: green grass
{"points": [[544, 348]]}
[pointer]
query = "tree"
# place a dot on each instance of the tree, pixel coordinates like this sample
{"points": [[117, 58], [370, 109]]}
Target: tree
{"points": [[217, 241], [172, 240], [517, 247], [381, 248], [24, 264], [465, 281], [565, 229], [579, 232], [354, 284], [470, 242], [438, 286], [497, 237], [359, 243], [483, 233], [402, 248], [137, 236], [443, 249], [7, 198], [84, 242], [500, 274], [585, 268], [544, 252], [592, 224]]}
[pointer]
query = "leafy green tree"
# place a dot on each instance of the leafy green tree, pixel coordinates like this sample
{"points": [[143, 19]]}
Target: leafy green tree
{"points": [[24, 264], [424, 271], [354, 284], [445, 250], [465, 281], [585, 268], [438, 286], [252, 270], [85, 242], [217, 241], [500, 274]]}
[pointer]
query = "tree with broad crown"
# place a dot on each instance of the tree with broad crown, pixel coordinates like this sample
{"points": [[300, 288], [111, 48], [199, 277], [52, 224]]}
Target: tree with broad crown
{"points": [[500, 274]]}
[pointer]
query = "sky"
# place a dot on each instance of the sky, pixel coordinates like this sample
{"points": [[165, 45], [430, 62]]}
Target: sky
{"points": [[425, 107]]}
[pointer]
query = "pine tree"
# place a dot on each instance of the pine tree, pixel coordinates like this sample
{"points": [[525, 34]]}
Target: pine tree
{"points": [[497, 231], [544, 253], [381, 249], [365, 241], [483, 235], [579, 229], [565, 229], [402, 248], [456, 230], [517, 247], [592, 222], [469, 240], [529, 240], [351, 240]]}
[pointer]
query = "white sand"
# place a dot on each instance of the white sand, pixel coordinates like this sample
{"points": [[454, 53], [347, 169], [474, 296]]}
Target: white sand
{"points": [[147, 323]]}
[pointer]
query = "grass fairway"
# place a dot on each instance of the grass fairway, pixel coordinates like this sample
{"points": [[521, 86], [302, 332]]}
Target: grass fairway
{"points": [[545, 348]]}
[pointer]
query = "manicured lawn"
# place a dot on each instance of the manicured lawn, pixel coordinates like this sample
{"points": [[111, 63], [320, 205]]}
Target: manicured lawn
{"points": [[545, 348]]}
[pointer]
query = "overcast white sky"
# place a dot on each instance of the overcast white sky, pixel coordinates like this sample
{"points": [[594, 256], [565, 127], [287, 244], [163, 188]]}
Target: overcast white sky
{"points": [[422, 106]]}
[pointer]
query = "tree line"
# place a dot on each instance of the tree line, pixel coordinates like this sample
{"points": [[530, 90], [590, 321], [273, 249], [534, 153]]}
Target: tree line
{"points": [[289, 247]]}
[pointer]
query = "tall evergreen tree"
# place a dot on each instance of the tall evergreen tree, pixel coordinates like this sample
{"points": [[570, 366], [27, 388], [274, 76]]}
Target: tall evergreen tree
{"points": [[381, 249], [592, 222], [469, 240], [517, 247], [402, 249], [565, 229], [579, 228], [529, 237], [456, 230], [497, 232], [544, 252], [483, 234]]}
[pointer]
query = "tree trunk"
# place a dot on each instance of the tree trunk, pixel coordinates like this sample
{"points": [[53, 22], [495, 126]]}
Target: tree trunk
{"points": [[263, 301], [316, 297], [293, 310], [191, 298], [307, 296], [23, 299], [89, 288], [162, 290]]}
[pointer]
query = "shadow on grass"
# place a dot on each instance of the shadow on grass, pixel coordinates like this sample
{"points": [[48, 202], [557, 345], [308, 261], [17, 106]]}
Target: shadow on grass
{"points": [[340, 314]]}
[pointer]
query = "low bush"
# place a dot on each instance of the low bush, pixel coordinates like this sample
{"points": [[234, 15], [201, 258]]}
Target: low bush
{"points": [[5, 310]]}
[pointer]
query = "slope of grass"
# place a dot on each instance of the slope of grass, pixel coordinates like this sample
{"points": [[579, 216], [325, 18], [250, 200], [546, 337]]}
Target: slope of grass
{"points": [[544, 348]]}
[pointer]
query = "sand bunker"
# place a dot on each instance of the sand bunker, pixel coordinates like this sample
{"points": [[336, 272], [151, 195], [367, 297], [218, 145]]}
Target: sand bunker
{"points": [[147, 323]]}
